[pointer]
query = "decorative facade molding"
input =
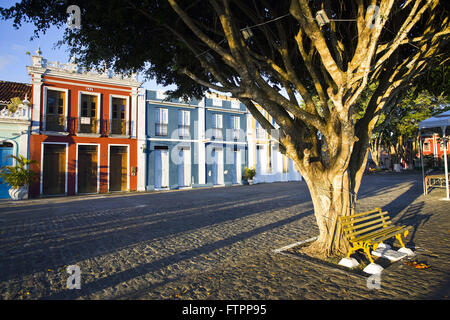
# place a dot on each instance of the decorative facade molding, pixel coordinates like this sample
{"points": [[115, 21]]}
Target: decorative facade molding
{"points": [[23, 113]]}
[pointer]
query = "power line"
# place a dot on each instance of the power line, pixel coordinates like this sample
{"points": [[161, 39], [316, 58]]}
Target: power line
{"points": [[247, 29], [266, 22]]}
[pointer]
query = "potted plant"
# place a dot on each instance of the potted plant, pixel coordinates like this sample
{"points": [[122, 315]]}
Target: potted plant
{"points": [[249, 174], [18, 177]]}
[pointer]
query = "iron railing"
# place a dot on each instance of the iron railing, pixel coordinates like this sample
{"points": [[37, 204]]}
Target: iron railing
{"points": [[118, 126], [56, 123]]}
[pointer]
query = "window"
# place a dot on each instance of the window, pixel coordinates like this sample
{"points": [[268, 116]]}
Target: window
{"points": [[88, 119], [183, 123], [118, 116], [55, 111], [235, 104], [260, 133], [426, 147], [161, 123], [235, 125], [217, 126]]}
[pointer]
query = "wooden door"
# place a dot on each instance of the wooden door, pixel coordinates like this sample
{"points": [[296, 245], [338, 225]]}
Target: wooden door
{"points": [[87, 169], [54, 169], [118, 168]]}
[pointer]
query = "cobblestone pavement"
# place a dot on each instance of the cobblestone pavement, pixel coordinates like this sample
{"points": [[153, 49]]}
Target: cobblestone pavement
{"points": [[210, 244]]}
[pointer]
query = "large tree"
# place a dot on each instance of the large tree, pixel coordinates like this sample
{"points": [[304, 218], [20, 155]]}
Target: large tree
{"points": [[307, 75]]}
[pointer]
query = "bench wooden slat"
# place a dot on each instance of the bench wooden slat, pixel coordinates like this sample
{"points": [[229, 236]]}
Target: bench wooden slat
{"points": [[378, 223], [390, 235], [364, 231], [360, 214], [378, 233], [355, 221]]}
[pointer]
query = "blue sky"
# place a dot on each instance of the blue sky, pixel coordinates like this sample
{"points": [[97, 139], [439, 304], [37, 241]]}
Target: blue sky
{"points": [[14, 43]]}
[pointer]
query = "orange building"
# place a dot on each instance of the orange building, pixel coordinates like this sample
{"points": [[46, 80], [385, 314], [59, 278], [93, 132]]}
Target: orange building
{"points": [[83, 130]]}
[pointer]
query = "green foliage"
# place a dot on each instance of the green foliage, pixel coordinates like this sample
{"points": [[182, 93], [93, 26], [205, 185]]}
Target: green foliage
{"points": [[416, 106], [14, 105], [249, 173], [436, 80], [143, 36], [18, 175]]}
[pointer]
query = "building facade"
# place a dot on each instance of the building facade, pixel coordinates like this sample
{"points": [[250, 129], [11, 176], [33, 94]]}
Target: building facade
{"points": [[14, 125], [171, 139], [225, 140], [264, 154], [194, 143], [205, 143], [84, 129], [433, 149], [97, 132]]}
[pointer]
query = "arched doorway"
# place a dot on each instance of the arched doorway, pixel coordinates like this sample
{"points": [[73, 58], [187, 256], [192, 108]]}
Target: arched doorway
{"points": [[6, 150]]}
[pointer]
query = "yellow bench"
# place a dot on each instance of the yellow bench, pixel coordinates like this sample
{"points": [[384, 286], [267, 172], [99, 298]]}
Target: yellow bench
{"points": [[369, 229]]}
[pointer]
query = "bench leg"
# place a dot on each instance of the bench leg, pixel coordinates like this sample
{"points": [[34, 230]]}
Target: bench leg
{"points": [[367, 252], [352, 249], [399, 238]]}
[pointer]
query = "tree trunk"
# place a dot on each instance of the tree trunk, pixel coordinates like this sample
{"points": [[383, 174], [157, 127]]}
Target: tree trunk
{"points": [[375, 152], [333, 197]]}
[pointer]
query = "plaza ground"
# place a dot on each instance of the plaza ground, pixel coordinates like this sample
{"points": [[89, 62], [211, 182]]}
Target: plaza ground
{"points": [[214, 243]]}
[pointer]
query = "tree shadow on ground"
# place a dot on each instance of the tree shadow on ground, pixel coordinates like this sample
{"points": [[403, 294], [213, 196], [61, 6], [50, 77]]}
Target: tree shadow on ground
{"points": [[119, 277], [114, 232]]}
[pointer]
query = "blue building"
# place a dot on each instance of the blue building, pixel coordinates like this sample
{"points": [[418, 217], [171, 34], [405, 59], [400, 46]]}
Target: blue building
{"points": [[14, 126], [193, 143], [225, 144]]}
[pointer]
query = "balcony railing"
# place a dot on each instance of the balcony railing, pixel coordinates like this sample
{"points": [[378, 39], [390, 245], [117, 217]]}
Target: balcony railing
{"points": [[118, 126], [217, 133], [260, 133], [56, 123], [183, 130], [161, 129], [88, 125], [235, 134]]}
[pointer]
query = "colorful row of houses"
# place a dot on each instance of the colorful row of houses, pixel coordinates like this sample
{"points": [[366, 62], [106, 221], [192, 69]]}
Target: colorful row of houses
{"points": [[98, 132]]}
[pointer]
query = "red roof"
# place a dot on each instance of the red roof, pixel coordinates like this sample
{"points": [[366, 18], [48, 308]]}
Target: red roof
{"points": [[9, 90]]}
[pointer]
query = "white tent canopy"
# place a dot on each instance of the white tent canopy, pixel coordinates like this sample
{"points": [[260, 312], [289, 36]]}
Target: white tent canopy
{"points": [[438, 124], [438, 121]]}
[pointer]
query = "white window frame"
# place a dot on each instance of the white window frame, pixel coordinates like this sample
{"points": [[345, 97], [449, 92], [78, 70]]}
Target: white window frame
{"points": [[217, 118], [215, 121], [184, 121], [66, 106], [158, 118], [217, 102], [127, 111], [235, 124], [99, 104], [235, 104]]}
